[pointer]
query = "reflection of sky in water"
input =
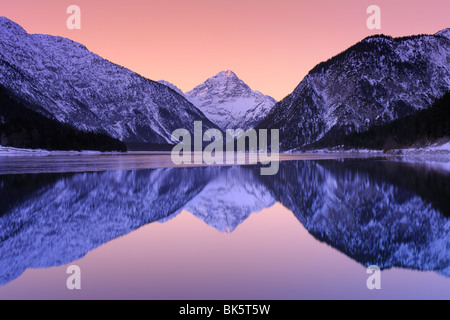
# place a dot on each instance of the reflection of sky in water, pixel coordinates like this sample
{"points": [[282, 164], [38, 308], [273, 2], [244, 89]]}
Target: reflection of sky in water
{"points": [[363, 211]]}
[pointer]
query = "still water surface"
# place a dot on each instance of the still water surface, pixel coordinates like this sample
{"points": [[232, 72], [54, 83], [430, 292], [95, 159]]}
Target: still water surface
{"points": [[139, 228]]}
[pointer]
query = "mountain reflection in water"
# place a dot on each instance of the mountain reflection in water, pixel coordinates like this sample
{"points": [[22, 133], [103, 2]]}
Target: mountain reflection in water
{"points": [[376, 212]]}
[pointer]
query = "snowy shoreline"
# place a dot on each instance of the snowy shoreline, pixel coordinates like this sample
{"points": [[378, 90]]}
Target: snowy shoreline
{"points": [[10, 151], [441, 151], [437, 149], [435, 156], [15, 161]]}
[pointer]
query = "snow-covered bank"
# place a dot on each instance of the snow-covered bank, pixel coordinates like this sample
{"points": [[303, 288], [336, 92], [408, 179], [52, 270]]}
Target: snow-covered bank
{"points": [[16, 152], [435, 156], [439, 149]]}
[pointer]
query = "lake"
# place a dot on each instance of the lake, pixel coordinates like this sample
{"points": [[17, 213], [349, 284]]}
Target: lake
{"points": [[140, 228]]}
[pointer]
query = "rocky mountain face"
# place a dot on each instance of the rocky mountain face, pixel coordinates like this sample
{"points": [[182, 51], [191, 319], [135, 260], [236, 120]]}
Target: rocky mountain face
{"points": [[374, 82], [418, 130], [77, 87], [228, 102]]}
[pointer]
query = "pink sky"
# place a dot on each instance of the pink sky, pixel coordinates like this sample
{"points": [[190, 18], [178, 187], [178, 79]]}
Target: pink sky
{"points": [[270, 44]]}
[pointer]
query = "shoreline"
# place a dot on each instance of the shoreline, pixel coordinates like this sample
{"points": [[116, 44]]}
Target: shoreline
{"points": [[22, 161], [428, 152], [442, 150]]}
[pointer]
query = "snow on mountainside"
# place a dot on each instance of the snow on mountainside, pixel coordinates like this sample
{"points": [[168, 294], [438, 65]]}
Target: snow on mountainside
{"points": [[172, 86], [374, 82], [228, 102], [79, 88]]}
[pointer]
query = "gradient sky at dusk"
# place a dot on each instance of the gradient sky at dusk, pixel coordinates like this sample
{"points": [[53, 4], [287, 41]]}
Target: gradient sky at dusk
{"points": [[270, 44]]}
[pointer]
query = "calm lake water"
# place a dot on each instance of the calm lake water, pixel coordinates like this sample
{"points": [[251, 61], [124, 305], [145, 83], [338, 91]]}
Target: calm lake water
{"points": [[139, 228]]}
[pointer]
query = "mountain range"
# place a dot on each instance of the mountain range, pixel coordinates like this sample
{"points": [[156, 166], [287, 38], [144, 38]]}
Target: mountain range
{"points": [[63, 80], [374, 82]]}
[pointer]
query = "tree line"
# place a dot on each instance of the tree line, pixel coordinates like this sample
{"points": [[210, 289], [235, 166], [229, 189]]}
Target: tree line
{"points": [[22, 127], [418, 129]]}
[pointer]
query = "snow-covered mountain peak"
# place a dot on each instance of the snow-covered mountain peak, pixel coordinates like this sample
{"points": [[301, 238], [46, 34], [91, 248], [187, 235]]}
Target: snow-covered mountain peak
{"points": [[230, 102], [226, 74], [224, 85]]}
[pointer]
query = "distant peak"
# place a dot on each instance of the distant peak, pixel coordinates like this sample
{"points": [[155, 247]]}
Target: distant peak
{"points": [[10, 25], [226, 74], [444, 33]]}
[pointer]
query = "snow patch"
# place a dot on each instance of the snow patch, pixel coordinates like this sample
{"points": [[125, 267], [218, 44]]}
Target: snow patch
{"points": [[230, 103], [18, 152]]}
